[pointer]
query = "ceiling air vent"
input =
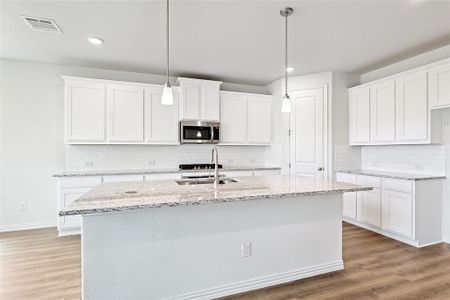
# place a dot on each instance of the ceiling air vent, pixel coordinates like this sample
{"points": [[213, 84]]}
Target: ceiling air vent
{"points": [[40, 24]]}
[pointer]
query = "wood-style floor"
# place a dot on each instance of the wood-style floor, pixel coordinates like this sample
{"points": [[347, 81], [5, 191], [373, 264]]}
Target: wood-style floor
{"points": [[36, 264]]}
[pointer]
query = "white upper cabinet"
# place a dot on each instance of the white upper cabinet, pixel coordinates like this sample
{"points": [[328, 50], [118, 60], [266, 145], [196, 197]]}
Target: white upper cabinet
{"points": [[259, 115], [114, 112], [209, 103], [161, 121], [233, 127], [359, 116], [397, 109], [200, 99], [245, 119], [382, 112], [126, 113], [412, 107], [85, 105], [439, 86], [190, 101]]}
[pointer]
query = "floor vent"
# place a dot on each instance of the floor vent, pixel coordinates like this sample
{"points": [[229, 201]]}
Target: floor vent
{"points": [[40, 24]]}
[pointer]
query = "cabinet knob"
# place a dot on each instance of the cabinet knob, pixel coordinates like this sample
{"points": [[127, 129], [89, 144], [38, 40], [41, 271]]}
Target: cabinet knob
{"points": [[320, 169]]}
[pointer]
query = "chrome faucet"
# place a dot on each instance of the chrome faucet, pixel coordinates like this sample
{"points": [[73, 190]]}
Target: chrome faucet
{"points": [[215, 159]]}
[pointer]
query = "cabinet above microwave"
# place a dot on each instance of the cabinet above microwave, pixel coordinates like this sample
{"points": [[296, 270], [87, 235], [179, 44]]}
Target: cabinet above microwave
{"points": [[199, 99]]}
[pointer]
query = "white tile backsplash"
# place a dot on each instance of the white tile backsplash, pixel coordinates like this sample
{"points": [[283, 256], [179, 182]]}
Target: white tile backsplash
{"points": [[346, 157], [110, 157], [417, 159]]}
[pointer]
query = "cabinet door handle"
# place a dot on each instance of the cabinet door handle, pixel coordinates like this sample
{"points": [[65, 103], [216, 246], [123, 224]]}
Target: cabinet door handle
{"points": [[320, 169]]}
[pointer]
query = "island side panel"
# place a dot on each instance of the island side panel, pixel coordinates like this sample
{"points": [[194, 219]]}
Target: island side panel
{"points": [[196, 251]]}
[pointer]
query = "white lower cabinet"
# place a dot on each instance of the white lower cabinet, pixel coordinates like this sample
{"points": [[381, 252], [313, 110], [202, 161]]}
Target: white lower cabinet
{"points": [[407, 210], [398, 207], [350, 199], [70, 189], [370, 201]]}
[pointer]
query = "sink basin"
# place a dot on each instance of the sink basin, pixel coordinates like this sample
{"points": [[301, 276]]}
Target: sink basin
{"points": [[204, 181]]}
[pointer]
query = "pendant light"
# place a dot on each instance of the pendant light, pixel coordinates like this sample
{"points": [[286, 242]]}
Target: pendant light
{"points": [[286, 102], [167, 95]]}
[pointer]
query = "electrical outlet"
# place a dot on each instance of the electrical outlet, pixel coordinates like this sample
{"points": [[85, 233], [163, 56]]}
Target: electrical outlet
{"points": [[89, 163], [151, 162], [246, 249], [22, 206], [419, 167]]}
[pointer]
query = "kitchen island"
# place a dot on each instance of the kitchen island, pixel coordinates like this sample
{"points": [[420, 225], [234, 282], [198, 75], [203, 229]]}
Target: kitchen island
{"points": [[160, 239]]}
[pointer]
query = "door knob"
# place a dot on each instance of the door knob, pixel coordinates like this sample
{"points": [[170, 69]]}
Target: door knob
{"points": [[320, 169]]}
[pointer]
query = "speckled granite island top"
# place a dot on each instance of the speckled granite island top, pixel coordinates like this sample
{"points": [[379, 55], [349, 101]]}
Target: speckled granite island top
{"points": [[158, 171], [394, 175], [125, 196]]}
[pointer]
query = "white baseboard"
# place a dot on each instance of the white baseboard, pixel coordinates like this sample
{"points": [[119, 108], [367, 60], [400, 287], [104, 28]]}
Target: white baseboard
{"points": [[262, 282], [391, 235], [27, 226], [70, 231], [385, 233]]}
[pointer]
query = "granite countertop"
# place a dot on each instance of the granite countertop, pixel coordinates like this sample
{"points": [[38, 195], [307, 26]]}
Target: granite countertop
{"points": [[158, 171], [126, 196], [395, 175]]}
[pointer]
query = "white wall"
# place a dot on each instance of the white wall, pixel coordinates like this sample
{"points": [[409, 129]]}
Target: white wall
{"points": [[446, 216], [31, 132]]}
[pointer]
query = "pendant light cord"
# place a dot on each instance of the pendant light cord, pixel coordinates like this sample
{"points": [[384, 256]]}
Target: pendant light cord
{"points": [[167, 39], [286, 57]]}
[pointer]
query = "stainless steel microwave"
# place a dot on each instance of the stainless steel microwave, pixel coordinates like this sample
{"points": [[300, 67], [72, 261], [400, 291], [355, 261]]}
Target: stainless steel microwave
{"points": [[199, 132]]}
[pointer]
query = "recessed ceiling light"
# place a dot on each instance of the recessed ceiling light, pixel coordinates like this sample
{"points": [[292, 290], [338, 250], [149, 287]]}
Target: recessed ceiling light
{"points": [[95, 40], [290, 69]]}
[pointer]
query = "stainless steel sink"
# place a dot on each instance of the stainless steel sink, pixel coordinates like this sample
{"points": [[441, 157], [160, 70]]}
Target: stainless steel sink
{"points": [[222, 180]]}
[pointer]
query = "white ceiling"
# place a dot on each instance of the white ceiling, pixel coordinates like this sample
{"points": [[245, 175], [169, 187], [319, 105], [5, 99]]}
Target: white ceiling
{"points": [[234, 41]]}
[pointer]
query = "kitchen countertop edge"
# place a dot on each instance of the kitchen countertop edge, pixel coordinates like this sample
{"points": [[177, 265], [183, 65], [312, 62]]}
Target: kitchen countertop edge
{"points": [[92, 211], [393, 175], [158, 171]]}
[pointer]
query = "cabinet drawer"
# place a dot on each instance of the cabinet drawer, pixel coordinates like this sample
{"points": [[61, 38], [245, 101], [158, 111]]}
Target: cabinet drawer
{"points": [[347, 178], [79, 182], [398, 185], [369, 180]]}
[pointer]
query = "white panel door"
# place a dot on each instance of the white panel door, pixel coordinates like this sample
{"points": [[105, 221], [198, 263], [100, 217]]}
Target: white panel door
{"points": [[161, 121], [210, 103], [397, 211], [126, 113], [439, 86], [190, 98], [259, 115], [359, 116], [307, 133], [85, 111], [233, 116], [382, 112], [350, 199], [412, 107]]}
